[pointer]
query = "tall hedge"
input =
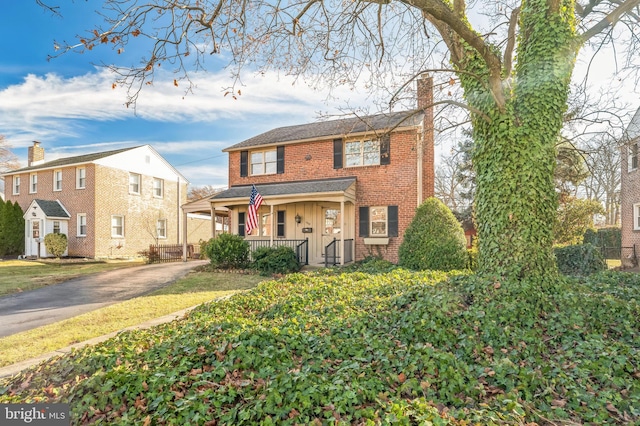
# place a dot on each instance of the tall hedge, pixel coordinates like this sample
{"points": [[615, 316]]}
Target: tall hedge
{"points": [[11, 228], [434, 239]]}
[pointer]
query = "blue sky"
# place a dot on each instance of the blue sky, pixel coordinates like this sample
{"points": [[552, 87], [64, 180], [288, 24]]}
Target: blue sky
{"points": [[68, 103]]}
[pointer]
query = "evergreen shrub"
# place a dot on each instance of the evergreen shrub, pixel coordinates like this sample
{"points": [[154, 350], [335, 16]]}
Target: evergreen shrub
{"points": [[275, 260], [56, 244], [434, 240], [581, 259], [228, 251]]}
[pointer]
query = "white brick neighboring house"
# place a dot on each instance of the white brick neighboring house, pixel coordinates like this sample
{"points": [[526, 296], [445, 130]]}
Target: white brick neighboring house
{"points": [[630, 193], [110, 204]]}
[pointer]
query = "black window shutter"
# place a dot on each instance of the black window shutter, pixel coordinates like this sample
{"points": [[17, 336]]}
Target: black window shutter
{"points": [[385, 149], [280, 222], [364, 221], [392, 221], [280, 163], [241, 224], [244, 159], [337, 153]]}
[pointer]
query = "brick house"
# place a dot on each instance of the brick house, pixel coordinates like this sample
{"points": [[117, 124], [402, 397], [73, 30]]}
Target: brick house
{"points": [[336, 190], [109, 204], [630, 193]]}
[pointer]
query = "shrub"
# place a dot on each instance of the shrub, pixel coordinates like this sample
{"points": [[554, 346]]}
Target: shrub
{"points": [[227, 251], [581, 259], [608, 239], [473, 258], [275, 260], [56, 244], [434, 239]]}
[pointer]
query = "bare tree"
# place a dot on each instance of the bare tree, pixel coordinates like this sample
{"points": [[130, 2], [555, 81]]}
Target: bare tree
{"points": [[516, 108], [199, 192], [8, 160]]}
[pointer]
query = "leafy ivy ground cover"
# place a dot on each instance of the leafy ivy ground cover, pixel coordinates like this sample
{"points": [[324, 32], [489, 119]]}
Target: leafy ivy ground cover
{"points": [[368, 348]]}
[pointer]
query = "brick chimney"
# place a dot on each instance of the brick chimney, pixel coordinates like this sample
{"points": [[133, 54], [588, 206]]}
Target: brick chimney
{"points": [[35, 154], [425, 103]]}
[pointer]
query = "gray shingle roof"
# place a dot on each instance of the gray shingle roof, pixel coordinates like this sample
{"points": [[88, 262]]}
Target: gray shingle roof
{"points": [[288, 188], [52, 208], [333, 128], [633, 130], [87, 158]]}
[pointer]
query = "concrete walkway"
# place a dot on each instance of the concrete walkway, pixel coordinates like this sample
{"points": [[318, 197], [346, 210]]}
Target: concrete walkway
{"points": [[24, 311]]}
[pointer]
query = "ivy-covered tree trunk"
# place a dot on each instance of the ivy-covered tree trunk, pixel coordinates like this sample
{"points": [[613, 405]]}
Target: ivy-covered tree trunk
{"points": [[516, 127]]}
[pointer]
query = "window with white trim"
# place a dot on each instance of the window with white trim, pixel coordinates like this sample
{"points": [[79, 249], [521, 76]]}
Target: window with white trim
{"points": [[16, 185], [33, 183], [82, 224], [362, 153], [161, 228], [632, 157], [636, 217], [264, 162], [134, 183], [57, 180], [81, 177], [158, 187], [378, 221], [56, 226], [117, 226]]}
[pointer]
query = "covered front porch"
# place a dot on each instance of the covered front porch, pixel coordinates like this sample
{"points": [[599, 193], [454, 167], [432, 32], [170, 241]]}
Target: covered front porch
{"points": [[316, 218]]}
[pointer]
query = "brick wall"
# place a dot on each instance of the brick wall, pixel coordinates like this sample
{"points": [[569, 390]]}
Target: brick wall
{"points": [[629, 195]]}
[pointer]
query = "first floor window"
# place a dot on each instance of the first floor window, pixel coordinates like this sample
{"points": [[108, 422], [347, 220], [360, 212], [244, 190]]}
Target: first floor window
{"points": [[362, 153], [57, 180], [16, 185], [117, 226], [266, 226], [81, 177], [134, 183], [280, 224], [161, 228], [378, 221], [636, 217], [56, 226], [82, 224], [241, 224], [264, 162], [331, 221]]}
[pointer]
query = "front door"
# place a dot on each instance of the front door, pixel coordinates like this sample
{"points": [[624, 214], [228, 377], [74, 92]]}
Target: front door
{"points": [[34, 237], [330, 227]]}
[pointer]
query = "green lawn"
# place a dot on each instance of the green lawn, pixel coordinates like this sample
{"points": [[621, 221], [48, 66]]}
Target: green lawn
{"points": [[348, 347], [195, 288], [23, 275]]}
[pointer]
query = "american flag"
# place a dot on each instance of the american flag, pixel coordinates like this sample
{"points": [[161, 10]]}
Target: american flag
{"points": [[255, 200]]}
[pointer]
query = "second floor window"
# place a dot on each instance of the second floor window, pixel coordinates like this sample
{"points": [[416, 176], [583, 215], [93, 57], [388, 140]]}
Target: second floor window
{"points": [[81, 177], [117, 226], [158, 188], [264, 162], [134, 183], [362, 153], [632, 157], [16, 185], [57, 180], [33, 183]]}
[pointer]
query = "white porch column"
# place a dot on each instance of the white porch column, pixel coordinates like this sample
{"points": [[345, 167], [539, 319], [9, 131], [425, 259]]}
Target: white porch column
{"points": [[342, 232], [184, 236], [271, 222]]}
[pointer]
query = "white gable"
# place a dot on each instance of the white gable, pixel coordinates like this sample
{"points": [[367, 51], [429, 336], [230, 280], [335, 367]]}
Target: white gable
{"points": [[633, 130], [143, 160]]}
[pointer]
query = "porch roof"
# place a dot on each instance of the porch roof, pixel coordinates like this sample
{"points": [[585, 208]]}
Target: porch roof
{"points": [[337, 189], [52, 209]]}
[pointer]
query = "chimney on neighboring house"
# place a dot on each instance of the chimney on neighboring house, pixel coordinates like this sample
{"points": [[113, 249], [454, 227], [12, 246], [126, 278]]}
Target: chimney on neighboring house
{"points": [[425, 103], [35, 154]]}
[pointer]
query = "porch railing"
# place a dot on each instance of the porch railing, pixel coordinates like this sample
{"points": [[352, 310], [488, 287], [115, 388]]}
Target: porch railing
{"points": [[163, 253], [332, 252], [301, 247]]}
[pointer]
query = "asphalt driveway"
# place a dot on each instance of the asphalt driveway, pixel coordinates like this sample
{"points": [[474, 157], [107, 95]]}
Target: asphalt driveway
{"points": [[30, 309]]}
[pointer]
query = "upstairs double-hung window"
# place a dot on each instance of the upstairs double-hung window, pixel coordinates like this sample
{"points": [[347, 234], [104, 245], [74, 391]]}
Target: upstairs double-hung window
{"points": [[134, 183], [264, 162], [362, 153]]}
